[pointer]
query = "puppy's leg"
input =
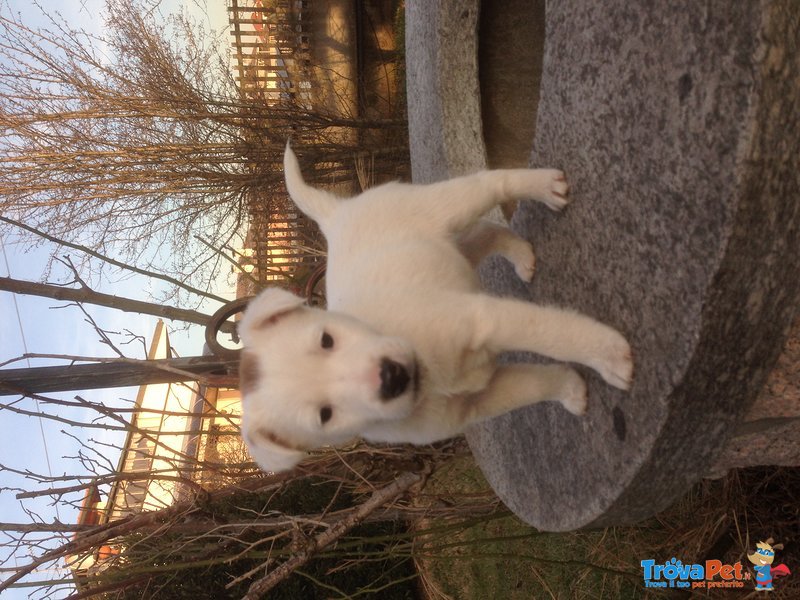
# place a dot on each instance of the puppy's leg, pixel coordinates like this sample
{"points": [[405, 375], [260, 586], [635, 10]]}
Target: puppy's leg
{"points": [[456, 204], [519, 385], [486, 238], [511, 387], [504, 324]]}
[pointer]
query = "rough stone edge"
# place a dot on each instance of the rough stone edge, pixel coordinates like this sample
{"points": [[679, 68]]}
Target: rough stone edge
{"points": [[770, 432], [764, 183], [444, 112]]}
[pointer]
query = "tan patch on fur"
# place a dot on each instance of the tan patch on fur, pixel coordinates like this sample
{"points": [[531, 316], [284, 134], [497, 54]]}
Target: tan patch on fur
{"points": [[273, 319], [273, 437], [248, 372]]}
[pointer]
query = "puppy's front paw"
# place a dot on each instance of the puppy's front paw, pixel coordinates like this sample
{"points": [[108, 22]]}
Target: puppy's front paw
{"points": [[556, 189], [615, 361]]}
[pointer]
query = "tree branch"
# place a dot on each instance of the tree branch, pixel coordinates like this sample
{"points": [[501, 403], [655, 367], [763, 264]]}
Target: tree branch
{"points": [[327, 537], [111, 261], [88, 296]]}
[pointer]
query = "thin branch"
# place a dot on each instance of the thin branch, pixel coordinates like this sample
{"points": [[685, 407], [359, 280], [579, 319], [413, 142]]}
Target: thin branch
{"points": [[314, 545], [133, 523], [112, 261], [89, 296], [219, 252]]}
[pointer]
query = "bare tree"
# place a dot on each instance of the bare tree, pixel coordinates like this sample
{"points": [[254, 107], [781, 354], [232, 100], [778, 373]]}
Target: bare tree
{"points": [[140, 137], [84, 294], [120, 138]]}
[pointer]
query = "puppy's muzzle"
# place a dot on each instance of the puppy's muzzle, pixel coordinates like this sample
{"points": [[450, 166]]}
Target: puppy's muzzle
{"points": [[394, 379]]}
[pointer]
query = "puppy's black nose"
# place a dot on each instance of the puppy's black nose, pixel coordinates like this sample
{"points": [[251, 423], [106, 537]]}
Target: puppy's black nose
{"points": [[394, 379]]}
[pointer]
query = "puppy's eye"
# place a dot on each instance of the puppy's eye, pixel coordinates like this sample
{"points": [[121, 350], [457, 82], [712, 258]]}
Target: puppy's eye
{"points": [[325, 414], [326, 341]]}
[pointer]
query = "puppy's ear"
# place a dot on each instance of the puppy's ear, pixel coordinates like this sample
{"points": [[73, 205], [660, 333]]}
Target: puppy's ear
{"points": [[265, 310], [270, 452]]}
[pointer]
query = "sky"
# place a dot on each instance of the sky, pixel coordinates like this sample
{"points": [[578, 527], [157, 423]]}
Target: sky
{"points": [[35, 325]]}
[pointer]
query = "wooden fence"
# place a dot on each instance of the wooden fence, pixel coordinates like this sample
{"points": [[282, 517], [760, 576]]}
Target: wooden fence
{"points": [[272, 52], [287, 247], [272, 43]]}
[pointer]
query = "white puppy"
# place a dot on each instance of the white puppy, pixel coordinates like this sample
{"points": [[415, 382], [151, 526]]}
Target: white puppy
{"points": [[406, 350]]}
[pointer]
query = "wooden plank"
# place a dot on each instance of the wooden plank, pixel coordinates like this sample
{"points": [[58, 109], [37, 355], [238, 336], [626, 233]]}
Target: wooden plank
{"points": [[237, 33], [287, 24], [45, 380], [281, 4], [274, 71], [286, 83], [252, 9], [285, 253], [265, 45]]}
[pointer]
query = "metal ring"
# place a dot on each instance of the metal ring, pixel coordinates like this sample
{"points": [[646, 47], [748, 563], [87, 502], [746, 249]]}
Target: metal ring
{"points": [[229, 309], [313, 280], [215, 322]]}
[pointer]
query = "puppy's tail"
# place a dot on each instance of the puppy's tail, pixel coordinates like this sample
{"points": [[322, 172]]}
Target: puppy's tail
{"points": [[317, 204]]}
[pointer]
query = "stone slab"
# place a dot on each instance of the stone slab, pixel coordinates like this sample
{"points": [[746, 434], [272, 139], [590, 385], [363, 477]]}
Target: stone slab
{"points": [[444, 109], [679, 129]]}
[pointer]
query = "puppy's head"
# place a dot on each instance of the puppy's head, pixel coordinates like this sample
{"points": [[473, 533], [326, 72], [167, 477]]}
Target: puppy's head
{"points": [[311, 378]]}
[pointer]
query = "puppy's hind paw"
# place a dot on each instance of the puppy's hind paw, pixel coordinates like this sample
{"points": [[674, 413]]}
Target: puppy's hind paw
{"points": [[524, 261], [573, 393], [556, 193]]}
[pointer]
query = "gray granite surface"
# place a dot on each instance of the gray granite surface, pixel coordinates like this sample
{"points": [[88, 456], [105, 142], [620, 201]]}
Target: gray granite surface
{"points": [[444, 109], [679, 128]]}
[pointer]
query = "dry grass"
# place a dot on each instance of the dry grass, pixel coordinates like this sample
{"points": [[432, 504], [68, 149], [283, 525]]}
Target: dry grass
{"points": [[502, 558]]}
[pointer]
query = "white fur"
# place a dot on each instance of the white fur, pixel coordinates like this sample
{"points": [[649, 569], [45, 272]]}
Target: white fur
{"points": [[401, 287]]}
